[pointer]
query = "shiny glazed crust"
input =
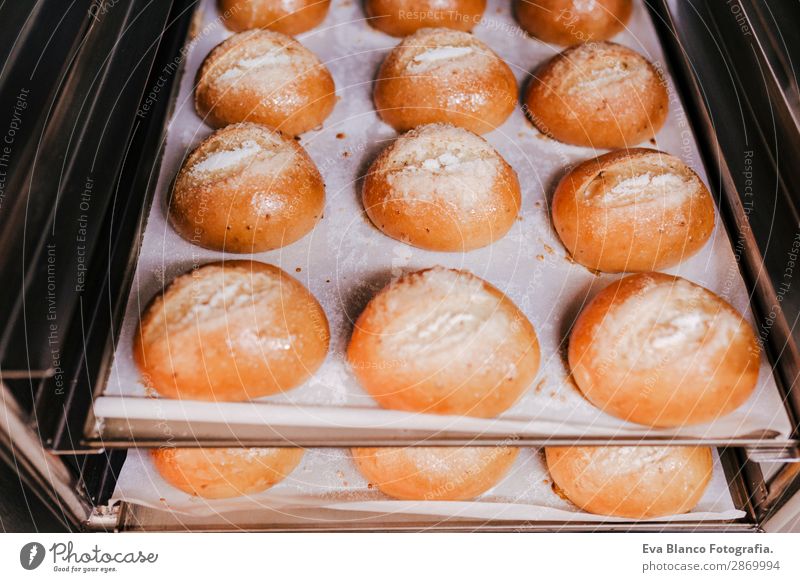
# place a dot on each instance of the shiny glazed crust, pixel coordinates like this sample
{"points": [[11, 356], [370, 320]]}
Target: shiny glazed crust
{"points": [[632, 210], [635, 482], [265, 198], [293, 94], [600, 95], [442, 188], [569, 22], [661, 351], [477, 93], [444, 342], [229, 332], [404, 17], [219, 473], [291, 17], [434, 473]]}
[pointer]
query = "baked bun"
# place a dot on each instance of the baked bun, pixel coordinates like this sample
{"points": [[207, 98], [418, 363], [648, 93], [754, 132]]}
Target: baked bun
{"points": [[231, 331], [444, 342], [659, 350], [265, 77], [632, 210], [442, 188], [246, 189], [404, 17], [438, 75], [434, 473], [221, 473], [568, 22], [598, 94], [286, 16], [635, 482]]}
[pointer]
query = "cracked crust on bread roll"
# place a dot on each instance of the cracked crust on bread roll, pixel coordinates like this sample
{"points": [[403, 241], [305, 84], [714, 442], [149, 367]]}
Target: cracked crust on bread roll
{"points": [[636, 482], [265, 77], [219, 473], [231, 331], [632, 210], [286, 16], [246, 189], [661, 351], [439, 75], [404, 17], [443, 188], [568, 22], [434, 473], [443, 341], [598, 94]]}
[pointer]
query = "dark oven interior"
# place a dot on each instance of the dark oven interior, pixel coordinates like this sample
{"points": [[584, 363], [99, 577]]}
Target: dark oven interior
{"points": [[89, 125]]}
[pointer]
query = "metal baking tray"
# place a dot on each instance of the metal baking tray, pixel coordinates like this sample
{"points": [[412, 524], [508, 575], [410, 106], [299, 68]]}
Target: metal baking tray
{"points": [[329, 410]]}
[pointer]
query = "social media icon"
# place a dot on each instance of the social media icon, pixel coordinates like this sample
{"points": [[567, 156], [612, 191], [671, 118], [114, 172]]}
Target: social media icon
{"points": [[31, 555]]}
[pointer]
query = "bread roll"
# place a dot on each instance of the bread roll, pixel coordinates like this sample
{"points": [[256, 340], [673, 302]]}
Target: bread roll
{"points": [[265, 77], [438, 75], [636, 482], [600, 95], [286, 16], [222, 473], [246, 189], [434, 473], [442, 188], [661, 351], [404, 17], [444, 342], [231, 331], [632, 210], [568, 22]]}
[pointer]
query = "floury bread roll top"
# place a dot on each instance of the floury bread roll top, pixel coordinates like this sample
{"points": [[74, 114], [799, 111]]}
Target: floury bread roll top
{"points": [[598, 94], [231, 331], [264, 77], [632, 210], [404, 17], [286, 16], [219, 473], [442, 341], [434, 473], [636, 482], [438, 75], [569, 22], [443, 188], [661, 351], [246, 189]]}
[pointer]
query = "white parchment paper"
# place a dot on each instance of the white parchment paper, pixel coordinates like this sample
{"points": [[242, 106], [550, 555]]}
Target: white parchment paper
{"points": [[328, 479], [346, 260]]}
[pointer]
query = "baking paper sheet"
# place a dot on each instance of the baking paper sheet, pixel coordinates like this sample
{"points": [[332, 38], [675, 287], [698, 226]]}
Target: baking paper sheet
{"points": [[328, 479], [346, 260]]}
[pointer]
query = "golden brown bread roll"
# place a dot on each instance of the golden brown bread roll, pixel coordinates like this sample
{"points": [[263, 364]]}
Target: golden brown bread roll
{"points": [[231, 331], [637, 482], [442, 188], [568, 22], [632, 210], [219, 473], [286, 16], [265, 77], [404, 17], [438, 75], [444, 342], [246, 189], [661, 351], [598, 94], [434, 473]]}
